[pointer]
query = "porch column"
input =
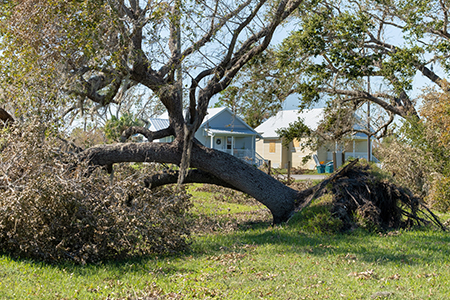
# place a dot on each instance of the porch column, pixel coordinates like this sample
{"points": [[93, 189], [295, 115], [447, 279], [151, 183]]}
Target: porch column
{"points": [[232, 145], [281, 154], [212, 141], [253, 147]]}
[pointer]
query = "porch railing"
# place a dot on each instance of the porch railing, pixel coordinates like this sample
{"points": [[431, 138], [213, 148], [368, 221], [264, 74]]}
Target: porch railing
{"points": [[247, 155], [352, 155]]}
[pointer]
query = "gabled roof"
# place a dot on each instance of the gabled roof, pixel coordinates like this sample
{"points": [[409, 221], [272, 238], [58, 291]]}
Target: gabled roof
{"points": [[211, 113], [311, 118], [283, 118], [162, 122], [215, 112]]}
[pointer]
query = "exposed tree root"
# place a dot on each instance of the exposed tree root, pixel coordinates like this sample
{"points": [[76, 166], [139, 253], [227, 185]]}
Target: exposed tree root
{"points": [[360, 197]]}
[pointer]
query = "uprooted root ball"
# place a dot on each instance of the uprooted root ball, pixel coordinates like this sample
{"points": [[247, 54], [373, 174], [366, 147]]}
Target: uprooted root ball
{"points": [[363, 197]]}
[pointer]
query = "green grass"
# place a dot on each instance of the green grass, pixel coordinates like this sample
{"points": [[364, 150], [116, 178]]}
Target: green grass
{"points": [[260, 262], [205, 203]]}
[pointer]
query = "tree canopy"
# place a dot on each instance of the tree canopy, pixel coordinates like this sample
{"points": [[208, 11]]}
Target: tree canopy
{"points": [[62, 60], [348, 53], [69, 59]]}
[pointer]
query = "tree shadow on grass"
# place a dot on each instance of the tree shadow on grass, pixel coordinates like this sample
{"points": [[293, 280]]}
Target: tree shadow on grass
{"points": [[114, 269], [403, 247], [414, 247]]}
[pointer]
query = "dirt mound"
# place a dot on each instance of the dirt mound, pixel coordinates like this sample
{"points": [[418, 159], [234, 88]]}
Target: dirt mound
{"points": [[363, 196]]}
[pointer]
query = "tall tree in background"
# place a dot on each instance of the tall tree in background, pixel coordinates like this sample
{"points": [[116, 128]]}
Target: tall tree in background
{"points": [[61, 58], [349, 53], [255, 94]]}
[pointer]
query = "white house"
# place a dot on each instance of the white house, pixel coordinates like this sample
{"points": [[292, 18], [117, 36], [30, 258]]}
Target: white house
{"points": [[270, 146], [221, 130]]}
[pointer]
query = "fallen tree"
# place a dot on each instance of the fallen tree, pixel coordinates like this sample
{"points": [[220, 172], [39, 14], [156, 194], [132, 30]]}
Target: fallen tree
{"points": [[100, 51], [82, 59], [213, 167]]}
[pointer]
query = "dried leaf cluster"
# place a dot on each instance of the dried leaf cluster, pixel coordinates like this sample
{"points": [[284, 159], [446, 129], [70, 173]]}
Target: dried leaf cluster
{"points": [[50, 211], [407, 165]]}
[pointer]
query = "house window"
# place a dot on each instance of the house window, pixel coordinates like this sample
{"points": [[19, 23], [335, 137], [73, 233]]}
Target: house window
{"points": [[271, 146], [229, 142]]}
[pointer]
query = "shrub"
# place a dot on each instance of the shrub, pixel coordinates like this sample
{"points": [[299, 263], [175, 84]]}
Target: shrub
{"points": [[418, 153], [422, 166], [407, 164], [50, 213], [439, 195]]}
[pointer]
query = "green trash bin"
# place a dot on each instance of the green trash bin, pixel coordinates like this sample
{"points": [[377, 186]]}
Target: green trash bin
{"points": [[329, 168], [321, 169]]}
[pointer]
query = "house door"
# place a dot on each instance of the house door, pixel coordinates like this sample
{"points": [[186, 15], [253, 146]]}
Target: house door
{"points": [[219, 143]]}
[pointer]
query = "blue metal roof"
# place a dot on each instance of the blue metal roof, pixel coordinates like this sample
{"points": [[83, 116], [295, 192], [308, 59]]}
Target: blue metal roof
{"points": [[158, 124]]}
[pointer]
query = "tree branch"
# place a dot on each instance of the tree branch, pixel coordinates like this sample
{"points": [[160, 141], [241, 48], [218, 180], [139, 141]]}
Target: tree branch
{"points": [[203, 40], [246, 52], [364, 95], [380, 132], [421, 67], [5, 117], [90, 88], [150, 135], [229, 68]]}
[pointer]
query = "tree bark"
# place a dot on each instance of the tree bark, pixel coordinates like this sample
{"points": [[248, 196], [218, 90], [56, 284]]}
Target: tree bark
{"points": [[227, 169], [5, 118]]}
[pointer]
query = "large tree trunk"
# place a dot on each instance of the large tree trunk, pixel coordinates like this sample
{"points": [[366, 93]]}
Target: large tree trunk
{"points": [[223, 168], [279, 198]]}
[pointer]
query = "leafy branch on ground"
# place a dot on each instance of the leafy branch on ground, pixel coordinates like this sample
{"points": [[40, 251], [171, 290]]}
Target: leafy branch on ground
{"points": [[52, 214]]}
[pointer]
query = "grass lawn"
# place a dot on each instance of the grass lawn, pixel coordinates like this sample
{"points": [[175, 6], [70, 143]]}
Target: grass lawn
{"points": [[252, 260]]}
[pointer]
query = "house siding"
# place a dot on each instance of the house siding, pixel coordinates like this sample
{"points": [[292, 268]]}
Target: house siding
{"points": [[202, 138], [296, 155], [226, 121], [259, 146], [282, 155], [263, 148], [361, 146]]}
